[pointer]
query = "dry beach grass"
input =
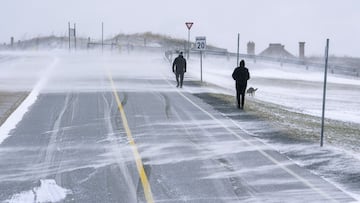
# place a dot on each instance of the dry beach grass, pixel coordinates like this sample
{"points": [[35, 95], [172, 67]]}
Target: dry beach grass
{"points": [[9, 101]]}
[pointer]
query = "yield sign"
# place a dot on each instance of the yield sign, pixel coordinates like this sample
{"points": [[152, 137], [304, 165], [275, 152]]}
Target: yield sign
{"points": [[189, 24]]}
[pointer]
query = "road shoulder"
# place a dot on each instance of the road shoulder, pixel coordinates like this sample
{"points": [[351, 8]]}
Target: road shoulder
{"points": [[9, 102]]}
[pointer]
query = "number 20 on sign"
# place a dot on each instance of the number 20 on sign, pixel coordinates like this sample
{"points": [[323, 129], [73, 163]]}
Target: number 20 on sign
{"points": [[200, 43]]}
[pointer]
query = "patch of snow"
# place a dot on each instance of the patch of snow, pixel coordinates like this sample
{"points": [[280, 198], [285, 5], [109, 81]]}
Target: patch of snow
{"points": [[48, 191]]}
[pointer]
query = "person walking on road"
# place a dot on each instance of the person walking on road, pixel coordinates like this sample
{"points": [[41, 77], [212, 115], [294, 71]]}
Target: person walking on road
{"points": [[179, 68], [241, 75]]}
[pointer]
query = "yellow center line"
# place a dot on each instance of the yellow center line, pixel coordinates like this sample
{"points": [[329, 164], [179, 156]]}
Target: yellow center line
{"points": [[139, 163]]}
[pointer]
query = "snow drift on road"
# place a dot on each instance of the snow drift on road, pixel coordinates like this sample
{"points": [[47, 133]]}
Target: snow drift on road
{"points": [[48, 191]]}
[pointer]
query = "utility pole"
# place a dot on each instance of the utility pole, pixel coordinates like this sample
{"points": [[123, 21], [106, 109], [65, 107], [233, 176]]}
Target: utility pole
{"points": [[75, 35], [102, 36], [69, 35], [324, 92], [238, 50]]}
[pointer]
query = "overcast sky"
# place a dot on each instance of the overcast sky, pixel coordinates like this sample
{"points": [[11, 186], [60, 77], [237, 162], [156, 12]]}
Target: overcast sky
{"points": [[261, 21]]}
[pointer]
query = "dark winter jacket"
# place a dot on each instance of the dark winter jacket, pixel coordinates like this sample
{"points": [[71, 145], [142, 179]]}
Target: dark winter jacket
{"points": [[241, 75], [179, 65]]}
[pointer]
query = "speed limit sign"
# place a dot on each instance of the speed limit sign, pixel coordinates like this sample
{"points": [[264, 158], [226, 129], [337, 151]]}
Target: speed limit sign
{"points": [[200, 43]]}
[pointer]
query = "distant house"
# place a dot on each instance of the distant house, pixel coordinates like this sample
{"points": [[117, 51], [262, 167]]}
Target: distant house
{"points": [[277, 50]]}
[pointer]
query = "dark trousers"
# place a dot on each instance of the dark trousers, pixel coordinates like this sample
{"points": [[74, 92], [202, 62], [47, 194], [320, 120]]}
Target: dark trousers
{"points": [[240, 92], [181, 77]]}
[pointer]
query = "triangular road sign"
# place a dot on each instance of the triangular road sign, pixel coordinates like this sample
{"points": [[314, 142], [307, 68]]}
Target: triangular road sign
{"points": [[189, 25]]}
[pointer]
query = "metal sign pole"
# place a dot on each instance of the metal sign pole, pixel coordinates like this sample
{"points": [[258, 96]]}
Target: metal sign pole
{"points": [[188, 25], [201, 78], [188, 45], [324, 92], [200, 44]]}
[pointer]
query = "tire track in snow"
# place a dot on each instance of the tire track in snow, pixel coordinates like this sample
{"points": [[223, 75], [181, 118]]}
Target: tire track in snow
{"points": [[116, 150]]}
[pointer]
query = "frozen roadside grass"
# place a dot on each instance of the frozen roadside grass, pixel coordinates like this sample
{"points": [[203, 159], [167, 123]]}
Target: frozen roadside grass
{"points": [[9, 101], [295, 125], [306, 127]]}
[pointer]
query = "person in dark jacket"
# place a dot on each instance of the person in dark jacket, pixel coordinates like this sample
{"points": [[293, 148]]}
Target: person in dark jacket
{"points": [[179, 68], [241, 75]]}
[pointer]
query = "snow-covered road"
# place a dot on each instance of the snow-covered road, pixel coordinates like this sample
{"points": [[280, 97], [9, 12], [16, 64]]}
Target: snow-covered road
{"points": [[73, 143]]}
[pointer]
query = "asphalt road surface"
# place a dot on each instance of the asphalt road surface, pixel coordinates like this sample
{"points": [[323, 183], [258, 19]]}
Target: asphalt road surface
{"points": [[145, 146]]}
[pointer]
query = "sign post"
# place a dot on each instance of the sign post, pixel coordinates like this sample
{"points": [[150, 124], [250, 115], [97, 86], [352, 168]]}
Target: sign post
{"points": [[200, 44], [324, 93], [188, 25]]}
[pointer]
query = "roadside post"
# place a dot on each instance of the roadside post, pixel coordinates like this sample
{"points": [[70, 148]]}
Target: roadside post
{"points": [[238, 50], [72, 33], [69, 34], [324, 93], [102, 37], [200, 43], [188, 25]]}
